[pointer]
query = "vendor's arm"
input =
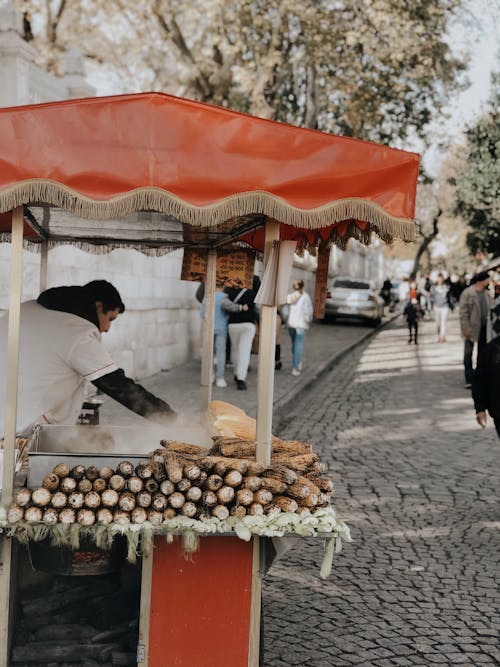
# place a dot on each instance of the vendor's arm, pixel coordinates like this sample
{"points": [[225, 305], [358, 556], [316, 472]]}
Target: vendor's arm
{"points": [[133, 396]]}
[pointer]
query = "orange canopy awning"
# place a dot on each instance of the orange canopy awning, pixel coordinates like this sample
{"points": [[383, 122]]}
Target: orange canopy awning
{"points": [[103, 158]]}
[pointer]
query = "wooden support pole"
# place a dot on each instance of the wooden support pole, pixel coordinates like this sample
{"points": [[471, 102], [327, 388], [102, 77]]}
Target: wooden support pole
{"points": [[207, 352], [265, 380], [145, 611], [10, 418]]}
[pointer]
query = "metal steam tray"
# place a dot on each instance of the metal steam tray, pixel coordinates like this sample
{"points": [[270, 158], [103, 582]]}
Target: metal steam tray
{"points": [[87, 445]]}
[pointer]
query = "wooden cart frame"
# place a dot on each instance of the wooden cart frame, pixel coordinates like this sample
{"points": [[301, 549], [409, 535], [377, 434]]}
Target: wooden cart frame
{"points": [[216, 177]]}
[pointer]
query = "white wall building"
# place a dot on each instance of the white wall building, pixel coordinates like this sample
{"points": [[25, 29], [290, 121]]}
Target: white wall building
{"points": [[161, 326]]}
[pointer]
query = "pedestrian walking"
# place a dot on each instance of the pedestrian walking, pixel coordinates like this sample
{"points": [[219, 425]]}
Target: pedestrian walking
{"points": [[412, 314], [242, 328], [474, 308], [223, 306], [299, 318], [486, 383], [440, 294]]}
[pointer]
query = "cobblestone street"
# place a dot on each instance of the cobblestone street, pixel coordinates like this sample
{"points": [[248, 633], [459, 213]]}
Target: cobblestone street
{"points": [[417, 481]]}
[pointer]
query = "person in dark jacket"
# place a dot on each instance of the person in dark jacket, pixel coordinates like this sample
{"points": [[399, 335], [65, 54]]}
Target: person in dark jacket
{"points": [[242, 327], [60, 349], [412, 314], [486, 383]]}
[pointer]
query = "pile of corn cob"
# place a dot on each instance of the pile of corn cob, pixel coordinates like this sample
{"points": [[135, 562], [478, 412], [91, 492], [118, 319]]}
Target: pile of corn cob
{"points": [[180, 479]]}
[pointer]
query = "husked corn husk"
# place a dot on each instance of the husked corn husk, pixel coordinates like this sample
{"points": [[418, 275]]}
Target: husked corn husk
{"points": [[194, 494], [99, 485], [151, 485], [155, 517], [138, 515], [121, 517], [242, 449], [104, 516], [181, 448], [51, 482], [41, 497], [324, 485], [183, 485], [67, 515], [167, 487], [68, 485], [15, 513], [286, 504], [263, 497], [76, 500], [33, 514], [192, 472], [298, 491], [106, 472], [301, 463], [85, 485], [225, 495], [78, 472], [281, 473], [62, 470], [135, 484], [189, 509], [220, 511], [291, 447], [255, 509], [173, 467], [22, 497], [85, 517], [159, 502], [59, 500], [244, 497], [214, 482], [125, 469], [176, 500], [252, 482], [274, 485], [110, 498], [209, 499], [92, 500], [50, 516], [302, 479], [92, 473], [233, 478], [143, 499]]}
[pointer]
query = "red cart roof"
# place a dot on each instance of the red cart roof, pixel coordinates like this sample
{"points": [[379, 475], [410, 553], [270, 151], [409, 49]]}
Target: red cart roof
{"points": [[105, 158]]}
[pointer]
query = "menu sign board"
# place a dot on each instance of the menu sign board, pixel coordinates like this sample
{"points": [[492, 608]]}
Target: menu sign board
{"points": [[235, 266]]}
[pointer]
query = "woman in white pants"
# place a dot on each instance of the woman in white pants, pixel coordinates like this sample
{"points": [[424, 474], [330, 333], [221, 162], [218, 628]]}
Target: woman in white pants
{"points": [[242, 331], [439, 298]]}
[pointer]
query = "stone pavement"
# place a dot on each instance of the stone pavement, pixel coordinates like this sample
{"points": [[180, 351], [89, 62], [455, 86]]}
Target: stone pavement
{"points": [[417, 481]]}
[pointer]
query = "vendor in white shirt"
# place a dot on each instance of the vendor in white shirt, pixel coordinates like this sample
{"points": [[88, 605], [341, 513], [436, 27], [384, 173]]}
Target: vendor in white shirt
{"points": [[60, 349]]}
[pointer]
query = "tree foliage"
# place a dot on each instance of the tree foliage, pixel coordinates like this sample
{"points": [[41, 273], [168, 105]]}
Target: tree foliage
{"points": [[478, 182], [374, 69]]}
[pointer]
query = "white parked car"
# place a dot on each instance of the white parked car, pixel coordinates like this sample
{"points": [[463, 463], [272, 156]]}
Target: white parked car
{"points": [[354, 298]]}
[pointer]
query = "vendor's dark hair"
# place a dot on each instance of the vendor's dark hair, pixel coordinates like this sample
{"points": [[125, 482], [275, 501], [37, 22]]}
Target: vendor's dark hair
{"points": [[101, 290]]}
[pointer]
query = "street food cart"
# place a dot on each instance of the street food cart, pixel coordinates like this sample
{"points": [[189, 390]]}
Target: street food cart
{"points": [[214, 178]]}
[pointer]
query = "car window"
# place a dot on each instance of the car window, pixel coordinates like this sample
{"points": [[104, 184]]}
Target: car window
{"points": [[351, 284]]}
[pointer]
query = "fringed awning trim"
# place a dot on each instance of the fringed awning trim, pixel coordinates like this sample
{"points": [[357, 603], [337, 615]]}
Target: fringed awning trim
{"points": [[245, 203], [95, 248]]}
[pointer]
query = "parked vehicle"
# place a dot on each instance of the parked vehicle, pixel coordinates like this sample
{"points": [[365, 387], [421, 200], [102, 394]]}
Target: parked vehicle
{"points": [[354, 298]]}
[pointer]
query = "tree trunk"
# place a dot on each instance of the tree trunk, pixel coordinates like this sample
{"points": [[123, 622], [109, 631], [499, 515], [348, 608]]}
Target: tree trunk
{"points": [[423, 247]]}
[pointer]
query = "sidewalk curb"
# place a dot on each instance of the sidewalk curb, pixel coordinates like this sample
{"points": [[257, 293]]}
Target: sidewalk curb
{"points": [[282, 403]]}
